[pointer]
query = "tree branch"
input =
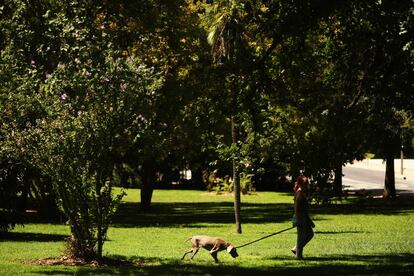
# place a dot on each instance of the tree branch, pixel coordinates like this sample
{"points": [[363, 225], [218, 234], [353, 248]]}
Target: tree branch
{"points": [[268, 52]]}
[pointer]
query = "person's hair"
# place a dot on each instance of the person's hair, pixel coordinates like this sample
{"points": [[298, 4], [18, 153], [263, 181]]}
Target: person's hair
{"points": [[301, 181]]}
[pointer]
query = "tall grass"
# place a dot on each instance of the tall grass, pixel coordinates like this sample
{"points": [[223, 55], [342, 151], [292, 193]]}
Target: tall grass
{"points": [[353, 237]]}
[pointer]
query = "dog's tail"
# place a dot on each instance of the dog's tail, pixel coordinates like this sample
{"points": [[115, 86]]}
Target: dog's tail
{"points": [[187, 239]]}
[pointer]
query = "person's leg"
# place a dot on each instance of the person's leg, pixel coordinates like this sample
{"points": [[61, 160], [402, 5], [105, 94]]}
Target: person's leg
{"points": [[301, 236], [309, 235], [305, 234]]}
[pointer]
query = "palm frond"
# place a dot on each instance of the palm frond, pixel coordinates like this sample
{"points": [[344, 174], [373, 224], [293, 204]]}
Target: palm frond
{"points": [[227, 40]]}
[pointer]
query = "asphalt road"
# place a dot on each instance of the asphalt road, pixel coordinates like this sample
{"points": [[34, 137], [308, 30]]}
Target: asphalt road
{"points": [[370, 174]]}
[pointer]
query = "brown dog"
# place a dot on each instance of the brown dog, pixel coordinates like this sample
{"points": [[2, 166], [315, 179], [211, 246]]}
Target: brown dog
{"points": [[214, 245]]}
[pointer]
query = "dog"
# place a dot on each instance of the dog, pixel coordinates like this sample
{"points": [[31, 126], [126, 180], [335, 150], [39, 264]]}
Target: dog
{"points": [[213, 244]]}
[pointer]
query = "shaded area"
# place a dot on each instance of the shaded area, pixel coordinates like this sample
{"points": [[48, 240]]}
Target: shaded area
{"points": [[73, 261], [173, 214], [196, 214], [337, 265], [339, 232], [29, 237], [188, 214], [367, 204]]}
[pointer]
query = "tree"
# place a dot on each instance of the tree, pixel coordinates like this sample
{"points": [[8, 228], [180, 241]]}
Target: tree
{"points": [[19, 110], [90, 98], [336, 69], [374, 35], [166, 35], [229, 51]]}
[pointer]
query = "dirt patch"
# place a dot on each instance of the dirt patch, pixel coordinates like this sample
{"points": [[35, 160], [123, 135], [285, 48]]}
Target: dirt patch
{"points": [[105, 262]]}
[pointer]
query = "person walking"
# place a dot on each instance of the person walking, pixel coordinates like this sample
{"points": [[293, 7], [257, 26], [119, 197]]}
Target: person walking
{"points": [[301, 219]]}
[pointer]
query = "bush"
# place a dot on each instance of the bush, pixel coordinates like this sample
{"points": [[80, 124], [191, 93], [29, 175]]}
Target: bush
{"points": [[11, 179], [321, 188], [225, 184], [246, 183]]}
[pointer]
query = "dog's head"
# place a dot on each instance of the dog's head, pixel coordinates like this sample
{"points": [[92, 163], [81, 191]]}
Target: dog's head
{"points": [[232, 251]]}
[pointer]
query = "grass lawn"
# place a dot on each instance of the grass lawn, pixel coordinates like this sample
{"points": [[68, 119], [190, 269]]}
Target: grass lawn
{"points": [[354, 237]]}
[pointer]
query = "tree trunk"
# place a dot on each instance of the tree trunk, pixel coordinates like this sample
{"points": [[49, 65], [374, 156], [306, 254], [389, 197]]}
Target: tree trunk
{"points": [[197, 177], [236, 176], [24, 197], [389, 187], [338, 180], [99, 182], [148, 181]]}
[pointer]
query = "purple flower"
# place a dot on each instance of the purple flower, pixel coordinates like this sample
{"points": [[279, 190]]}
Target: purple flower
{"points": [[64, 96], [142, 118], [123, 86]]}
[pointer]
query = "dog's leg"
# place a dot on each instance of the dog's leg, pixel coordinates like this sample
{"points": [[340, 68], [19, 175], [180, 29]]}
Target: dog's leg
{"points": [[214, 255], [215, 248], [195, 250], [186, 252]]}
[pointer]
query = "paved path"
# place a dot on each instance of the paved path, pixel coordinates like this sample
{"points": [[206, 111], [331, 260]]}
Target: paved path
{"points": [[369, 174]]}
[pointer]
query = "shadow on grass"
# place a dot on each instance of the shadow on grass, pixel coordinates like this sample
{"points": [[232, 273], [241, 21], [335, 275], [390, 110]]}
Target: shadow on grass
{"points": [[194, 213], [368, 205], [29, 237], [173, 214], [337, 265], [197, 214], [339, 232]]}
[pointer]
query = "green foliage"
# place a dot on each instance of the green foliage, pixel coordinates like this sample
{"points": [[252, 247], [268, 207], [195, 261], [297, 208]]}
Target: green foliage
{"points": [[95, 123], [84, 107], [225, 184], [309, 98], [321, 188], [19, 109], [369, 155], [246, 183]]}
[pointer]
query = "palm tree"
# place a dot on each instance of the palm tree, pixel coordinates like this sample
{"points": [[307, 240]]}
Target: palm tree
{"points": [[229, 51]]}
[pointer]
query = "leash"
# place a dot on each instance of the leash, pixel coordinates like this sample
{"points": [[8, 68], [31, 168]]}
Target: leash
{"points": [[265, 237]]}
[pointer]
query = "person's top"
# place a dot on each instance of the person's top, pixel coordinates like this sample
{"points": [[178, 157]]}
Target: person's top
{"points": [[301, 207]]}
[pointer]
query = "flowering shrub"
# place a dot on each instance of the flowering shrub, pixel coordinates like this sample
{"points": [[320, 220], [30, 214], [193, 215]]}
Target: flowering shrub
{"points": [[74, 105]]}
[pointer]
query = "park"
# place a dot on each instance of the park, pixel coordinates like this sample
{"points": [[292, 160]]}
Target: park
{"points": [[206, 137], [363, 237]]}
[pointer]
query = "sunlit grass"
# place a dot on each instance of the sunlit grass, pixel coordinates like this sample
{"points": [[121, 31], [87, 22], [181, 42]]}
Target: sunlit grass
{"points": [[368, 237]]}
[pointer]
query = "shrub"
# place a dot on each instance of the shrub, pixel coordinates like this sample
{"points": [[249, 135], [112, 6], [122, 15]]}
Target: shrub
{"points": [[225, 184]]}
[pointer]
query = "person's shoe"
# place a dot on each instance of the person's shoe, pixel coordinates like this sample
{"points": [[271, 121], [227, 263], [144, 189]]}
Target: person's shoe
{"points": [[293, 251]]}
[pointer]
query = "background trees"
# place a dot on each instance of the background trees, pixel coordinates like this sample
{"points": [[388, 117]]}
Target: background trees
{"points": [[375, 65], [322, 74]]}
